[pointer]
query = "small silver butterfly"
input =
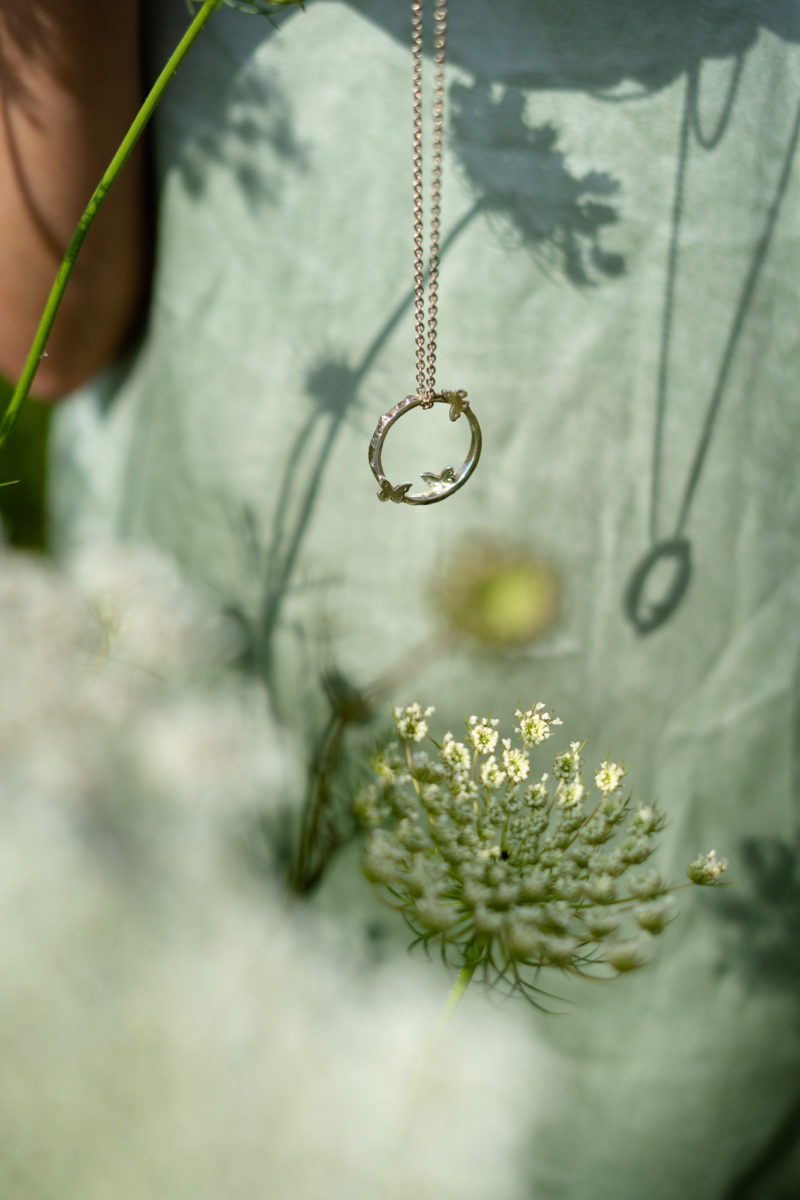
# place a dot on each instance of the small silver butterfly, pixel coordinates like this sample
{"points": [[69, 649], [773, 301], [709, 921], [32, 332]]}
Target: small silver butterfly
{"points": [[389, 492], [458, 402], [448, 475]]}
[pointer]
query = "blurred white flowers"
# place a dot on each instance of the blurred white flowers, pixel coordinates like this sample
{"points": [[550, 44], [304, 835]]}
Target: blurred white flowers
{"points": [[169, 1025]]}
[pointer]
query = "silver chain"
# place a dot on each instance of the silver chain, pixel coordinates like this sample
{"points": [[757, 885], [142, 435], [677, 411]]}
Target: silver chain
{"points": [[426, 348], [441, 483]]}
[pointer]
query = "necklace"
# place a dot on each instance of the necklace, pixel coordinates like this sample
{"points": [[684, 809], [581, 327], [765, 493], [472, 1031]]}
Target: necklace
{"points": [[442, 483]]}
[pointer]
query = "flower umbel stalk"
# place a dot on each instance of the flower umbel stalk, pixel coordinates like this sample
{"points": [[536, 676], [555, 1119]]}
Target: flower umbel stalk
{"points": [[453, 1000], [92, 209]]}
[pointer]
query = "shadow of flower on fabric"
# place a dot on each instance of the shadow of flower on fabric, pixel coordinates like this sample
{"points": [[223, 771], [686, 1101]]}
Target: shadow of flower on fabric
{"points": [[257, 115], [763, 915], [524, 183], [766, 914]]}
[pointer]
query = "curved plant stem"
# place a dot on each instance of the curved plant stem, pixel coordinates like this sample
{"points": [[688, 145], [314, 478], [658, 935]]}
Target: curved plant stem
{"points": [[93, 207]]}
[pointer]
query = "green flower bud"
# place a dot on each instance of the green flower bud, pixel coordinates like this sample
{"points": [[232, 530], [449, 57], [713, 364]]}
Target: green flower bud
{"points": [[627, 956], [556, 917], [524, 941], [507, 894], [487, 921], [636, 849], [600, 922], [653, 915], [435, 916], [646, 885], [535, 884], [707, 869], [559, 950], [646, 820], [597, 830], [601, 888]]}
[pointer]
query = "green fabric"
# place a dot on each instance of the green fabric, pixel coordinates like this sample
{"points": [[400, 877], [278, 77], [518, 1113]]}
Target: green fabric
{"points": [[235, 438]]}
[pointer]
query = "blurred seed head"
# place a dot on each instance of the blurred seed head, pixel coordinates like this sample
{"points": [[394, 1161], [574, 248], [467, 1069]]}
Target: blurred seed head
{"points": [[499, 596]]}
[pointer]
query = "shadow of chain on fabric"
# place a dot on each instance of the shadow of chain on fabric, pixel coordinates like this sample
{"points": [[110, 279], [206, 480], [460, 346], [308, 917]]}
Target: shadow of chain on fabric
{"points": [[660, 581]]}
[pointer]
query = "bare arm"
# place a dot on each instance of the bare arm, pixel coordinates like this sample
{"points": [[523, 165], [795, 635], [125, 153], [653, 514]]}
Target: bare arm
{"points": [[69, 87]]}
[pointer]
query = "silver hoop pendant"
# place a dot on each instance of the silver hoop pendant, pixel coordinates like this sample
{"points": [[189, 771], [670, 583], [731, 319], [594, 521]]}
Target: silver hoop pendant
{"points": [[441, 484]]}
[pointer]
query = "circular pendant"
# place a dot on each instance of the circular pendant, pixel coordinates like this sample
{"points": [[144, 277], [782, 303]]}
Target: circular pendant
{"points": [[440, 484]]}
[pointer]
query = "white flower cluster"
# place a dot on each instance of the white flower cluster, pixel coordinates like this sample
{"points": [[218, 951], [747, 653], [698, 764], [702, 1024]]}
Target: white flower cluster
{"points": [[483, 734], [535, 724], [411, 722], [167, 1027], [517, 875]]}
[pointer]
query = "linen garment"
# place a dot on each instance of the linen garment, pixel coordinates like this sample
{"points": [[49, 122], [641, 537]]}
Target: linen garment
{"points": [[620, 297]]}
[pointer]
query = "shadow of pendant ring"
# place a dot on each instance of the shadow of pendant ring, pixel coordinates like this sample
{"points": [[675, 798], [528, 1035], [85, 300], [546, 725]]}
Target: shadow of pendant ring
{"points": [[440, 484]]}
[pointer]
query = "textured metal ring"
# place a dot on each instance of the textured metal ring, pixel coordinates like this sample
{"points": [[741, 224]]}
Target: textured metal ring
{"points": [[446, 481]]}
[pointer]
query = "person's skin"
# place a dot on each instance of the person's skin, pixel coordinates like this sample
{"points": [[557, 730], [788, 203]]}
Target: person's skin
{"points": [[70, 83]]}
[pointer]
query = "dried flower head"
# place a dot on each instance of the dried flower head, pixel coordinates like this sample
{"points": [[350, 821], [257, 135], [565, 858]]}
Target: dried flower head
{"points": [[512, 875]]}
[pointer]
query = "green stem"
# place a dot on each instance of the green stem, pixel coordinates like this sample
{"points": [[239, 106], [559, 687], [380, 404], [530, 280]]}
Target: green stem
{"points": [[454, 999], [418, 1081], [93, 207]]}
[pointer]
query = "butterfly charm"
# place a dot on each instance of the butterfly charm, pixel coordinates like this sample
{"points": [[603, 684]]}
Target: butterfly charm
{"points": [[448, 475], [389, 492], [458, 402]]}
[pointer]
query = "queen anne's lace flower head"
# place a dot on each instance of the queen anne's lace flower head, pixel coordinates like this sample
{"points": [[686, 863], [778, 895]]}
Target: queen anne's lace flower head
{"points": [[535, 724], [483, 734], [411, 722], [516, 876], [609, 777]]}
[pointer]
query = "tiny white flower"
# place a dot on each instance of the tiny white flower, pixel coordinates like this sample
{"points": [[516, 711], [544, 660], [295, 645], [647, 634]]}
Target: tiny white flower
{"points": [[567, 765], [609, 777], [483, 734], [536, 794], [571, 794], [463, 790], [410, 721], [487, 853], [516, 762], [383, 768], [491, 775], [535, 724], [456, 754]]}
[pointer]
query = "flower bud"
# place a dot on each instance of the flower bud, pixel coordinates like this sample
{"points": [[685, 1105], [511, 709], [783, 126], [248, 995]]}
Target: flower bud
{"points": [[707, 868], [627, 956]]}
